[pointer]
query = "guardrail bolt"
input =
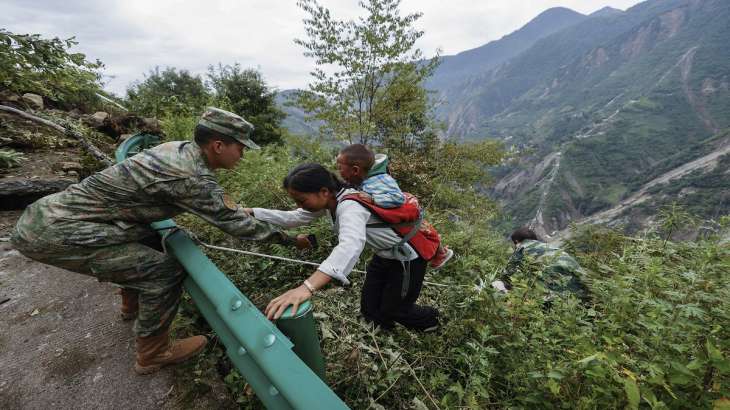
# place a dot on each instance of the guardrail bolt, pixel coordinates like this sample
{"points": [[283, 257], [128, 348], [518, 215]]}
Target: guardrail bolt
{"points": [[237, 304], [241, 351], [270, 339]]}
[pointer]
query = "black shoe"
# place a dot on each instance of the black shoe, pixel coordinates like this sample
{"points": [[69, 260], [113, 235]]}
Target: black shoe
{"points": [[379, 323], [428, 316]]}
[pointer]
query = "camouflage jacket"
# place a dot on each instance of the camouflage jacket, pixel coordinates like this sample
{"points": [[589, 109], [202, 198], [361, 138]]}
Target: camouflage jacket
{"points": [[559, 272], [156, 184]]}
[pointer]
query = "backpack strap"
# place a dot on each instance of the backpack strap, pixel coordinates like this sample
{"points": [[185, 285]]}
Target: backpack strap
{"points": [[397, 248], [387, 225], [407, 266]]}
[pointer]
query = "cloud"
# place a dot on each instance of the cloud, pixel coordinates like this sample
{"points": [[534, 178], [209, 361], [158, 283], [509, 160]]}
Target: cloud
{"points": [[131, 37]]}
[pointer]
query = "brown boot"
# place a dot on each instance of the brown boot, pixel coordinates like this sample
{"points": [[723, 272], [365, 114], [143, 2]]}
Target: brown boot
{"points": [[153, 352], [130, 303]]}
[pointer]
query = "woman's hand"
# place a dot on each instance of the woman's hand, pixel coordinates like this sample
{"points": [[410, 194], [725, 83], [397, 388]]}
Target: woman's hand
{"points": [[293, 297]]}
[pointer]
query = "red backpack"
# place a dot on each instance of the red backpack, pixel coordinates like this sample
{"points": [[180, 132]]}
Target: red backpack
{"points": [[406, 220]]}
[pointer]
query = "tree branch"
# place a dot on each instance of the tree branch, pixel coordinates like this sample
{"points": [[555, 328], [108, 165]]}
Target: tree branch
{"points": [[90, 148]]}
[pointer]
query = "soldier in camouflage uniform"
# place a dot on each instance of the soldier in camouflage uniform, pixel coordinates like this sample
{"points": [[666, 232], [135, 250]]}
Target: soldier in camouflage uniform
{"points": [[560, 273], [96, 227]]}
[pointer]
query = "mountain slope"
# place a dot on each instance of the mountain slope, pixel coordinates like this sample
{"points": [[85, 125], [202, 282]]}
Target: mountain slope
{"points": [[453, 69], [620, 95]]}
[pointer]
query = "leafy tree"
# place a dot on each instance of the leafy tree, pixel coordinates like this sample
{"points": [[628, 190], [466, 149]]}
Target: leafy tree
{"points": [[168, 92], [375, 95], [245, 92], [375, 88], [29, 63]]}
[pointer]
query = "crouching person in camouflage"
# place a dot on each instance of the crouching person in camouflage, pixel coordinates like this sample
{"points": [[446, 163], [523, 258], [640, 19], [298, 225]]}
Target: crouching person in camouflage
{"points": [[97, 227], [560, 273]]}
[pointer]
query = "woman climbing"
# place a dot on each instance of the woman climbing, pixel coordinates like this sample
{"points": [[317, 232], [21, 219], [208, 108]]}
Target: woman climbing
{"points": [[395, 273]]}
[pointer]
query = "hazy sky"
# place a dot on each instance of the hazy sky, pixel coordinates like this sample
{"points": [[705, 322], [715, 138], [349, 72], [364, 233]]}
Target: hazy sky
{"points": [[133, 36]]}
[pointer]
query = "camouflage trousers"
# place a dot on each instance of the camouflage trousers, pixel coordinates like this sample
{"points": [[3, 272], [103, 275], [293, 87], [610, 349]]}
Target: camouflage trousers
{"points": [[110, 254]]}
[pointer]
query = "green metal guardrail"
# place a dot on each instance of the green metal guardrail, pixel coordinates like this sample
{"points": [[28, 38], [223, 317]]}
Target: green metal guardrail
{"points": [[258, 349]]}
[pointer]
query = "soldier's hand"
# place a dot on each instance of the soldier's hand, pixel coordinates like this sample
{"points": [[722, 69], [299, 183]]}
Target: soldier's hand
{"points": [[248, 211], [293, 297], [303, 242]]}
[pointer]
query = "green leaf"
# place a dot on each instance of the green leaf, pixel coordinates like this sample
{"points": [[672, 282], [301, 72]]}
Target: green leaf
{"points": [[632, 393], [554, 374], [695, 364], [588, 359], [713, 353], [553, 386]]}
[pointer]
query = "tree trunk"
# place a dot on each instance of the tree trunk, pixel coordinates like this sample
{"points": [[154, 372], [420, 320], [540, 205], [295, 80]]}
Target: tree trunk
{"points": [[89, 147]]}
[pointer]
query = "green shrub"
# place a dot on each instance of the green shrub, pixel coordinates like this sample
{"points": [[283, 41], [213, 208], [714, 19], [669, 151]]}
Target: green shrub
{"points": [[10, 158], [168, 92], [30, 63]]}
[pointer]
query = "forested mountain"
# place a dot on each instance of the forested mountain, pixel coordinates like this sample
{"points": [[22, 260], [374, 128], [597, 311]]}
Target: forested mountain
{"points": [[604, 106], [606, 110], [453, 69]]}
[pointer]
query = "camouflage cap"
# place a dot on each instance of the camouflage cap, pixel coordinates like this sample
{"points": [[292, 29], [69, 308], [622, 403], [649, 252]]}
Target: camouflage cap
{"points": [[228, 123]]}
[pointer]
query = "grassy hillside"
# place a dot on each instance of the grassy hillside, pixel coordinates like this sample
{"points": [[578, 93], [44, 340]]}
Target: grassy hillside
{"points": [[654, 334]]}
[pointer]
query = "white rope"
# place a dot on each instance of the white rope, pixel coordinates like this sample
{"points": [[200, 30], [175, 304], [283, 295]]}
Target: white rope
{"points": [[263, 255], [303, 262]]}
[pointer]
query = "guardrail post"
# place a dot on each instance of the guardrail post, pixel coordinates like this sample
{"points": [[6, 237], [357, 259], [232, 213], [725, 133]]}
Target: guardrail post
{"points": [[301, 330]]}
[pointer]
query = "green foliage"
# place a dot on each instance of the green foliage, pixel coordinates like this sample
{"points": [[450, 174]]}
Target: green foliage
{"points": [[448, 176], [672, 218], [10, 158], [30, 63], [179, 127], [376, 90], [245, 92], [179, 97], [655, 332], [168, 92]]}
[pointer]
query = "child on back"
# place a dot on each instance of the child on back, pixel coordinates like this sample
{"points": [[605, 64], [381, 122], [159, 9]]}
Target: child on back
{"points": [[369, 173]]}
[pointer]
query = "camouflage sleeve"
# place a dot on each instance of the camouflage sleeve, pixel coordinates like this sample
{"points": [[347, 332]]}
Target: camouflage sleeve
{"points": [[513, 265], [206, 198]]}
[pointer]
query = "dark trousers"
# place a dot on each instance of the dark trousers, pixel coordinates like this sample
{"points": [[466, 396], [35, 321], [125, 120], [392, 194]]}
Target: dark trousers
{"points": [[383, 301]]}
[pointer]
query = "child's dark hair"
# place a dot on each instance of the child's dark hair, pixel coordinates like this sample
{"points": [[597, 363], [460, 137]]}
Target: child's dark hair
{"points": [[359, 154], [203, 135], [312, 177], [523, 233]]}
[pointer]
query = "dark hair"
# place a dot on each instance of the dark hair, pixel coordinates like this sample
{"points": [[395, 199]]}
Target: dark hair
{"points": [[204, 135], [312, 177], [523, 233], [359, 154]]}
